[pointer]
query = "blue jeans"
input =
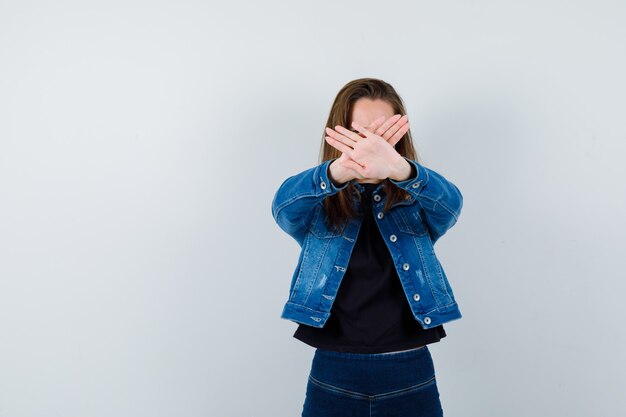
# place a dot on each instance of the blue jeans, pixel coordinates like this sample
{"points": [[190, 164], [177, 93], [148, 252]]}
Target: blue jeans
{"points": [[397, 384]]}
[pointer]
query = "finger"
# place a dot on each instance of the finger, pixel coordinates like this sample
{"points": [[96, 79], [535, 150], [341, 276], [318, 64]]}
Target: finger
{"points": [[357, 132], [390, 122], [348, 133], [376, 124], [339, 137], [339, 146], [360, 134], [361, 129], [398, 135], [391, 130], [396, 126]]}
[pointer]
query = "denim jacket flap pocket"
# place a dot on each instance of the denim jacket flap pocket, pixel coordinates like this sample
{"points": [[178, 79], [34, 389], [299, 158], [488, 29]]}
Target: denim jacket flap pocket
{"points": [[409, 220], [318, 225]]}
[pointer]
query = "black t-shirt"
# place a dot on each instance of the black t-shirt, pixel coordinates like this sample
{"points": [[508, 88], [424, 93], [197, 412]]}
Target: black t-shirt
{"points": [[371, 313]]}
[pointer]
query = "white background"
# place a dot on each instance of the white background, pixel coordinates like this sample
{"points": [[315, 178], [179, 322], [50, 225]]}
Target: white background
{"points": [[141, 143]]}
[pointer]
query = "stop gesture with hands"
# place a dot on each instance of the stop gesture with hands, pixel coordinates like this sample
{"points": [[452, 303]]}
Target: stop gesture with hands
{"points": [[369, 153]]}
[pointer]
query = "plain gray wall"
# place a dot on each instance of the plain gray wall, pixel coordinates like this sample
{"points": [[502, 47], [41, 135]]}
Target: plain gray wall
{"points": [[141, 143]]}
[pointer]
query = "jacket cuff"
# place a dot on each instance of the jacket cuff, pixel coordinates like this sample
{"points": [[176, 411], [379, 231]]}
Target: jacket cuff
{"points": [[323, 181], [415, 183]]}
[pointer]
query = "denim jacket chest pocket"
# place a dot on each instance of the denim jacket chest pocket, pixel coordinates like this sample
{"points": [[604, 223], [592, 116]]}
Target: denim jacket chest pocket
{"points": [[409, 219], [319, 228]]}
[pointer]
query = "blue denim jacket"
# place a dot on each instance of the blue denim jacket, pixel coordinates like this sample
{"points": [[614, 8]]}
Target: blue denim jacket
{"points": [[410, 229]]}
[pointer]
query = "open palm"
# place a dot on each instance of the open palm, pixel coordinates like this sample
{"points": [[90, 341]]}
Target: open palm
{"points": [[369, 152]]}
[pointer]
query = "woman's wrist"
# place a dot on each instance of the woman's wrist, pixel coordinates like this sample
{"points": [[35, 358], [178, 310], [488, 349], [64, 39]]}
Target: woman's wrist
{"points": [[402, 170], [336, 174]]}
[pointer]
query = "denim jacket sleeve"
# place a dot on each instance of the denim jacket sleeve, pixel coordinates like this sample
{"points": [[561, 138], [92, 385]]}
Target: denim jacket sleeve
{"points": [[440, 199], [295, 199]]}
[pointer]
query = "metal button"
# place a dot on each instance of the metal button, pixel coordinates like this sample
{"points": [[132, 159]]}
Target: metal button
{"points": [[417, 184], [393, 238], [427, 320], [376, 197], [323, 185], [380, 215], [416, 297], [405, 267]]}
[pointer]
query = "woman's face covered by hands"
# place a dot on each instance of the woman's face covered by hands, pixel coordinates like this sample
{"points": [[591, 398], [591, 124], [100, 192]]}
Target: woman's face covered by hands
{"points": [[367, 146]]}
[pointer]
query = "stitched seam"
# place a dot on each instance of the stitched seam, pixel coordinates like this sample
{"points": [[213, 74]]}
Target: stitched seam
{"points": [[338, 390], [403, 390], [441, 307], [456, 217], [292, 199], [354, 394], [307, 241], [426, 272], [309, 309], [318, 266], [442, 278], [288, 202]]}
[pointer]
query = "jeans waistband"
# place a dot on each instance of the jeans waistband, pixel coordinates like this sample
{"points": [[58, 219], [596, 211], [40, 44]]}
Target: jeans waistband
{"points": [[372, 356]]}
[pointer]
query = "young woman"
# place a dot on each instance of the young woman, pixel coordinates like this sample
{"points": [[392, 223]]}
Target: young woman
{"points": [[368, 291]]}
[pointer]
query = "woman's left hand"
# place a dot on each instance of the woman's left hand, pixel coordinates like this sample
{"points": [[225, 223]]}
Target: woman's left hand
{"points": [[371, 155]]}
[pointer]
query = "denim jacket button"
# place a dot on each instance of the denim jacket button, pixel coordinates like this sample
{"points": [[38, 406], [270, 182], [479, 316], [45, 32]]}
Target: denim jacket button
{"points": [[380, 215], [323, 185], [416, 297], [417, 184], [405, 267], [427, 320], [393, 238], [376, 197]]}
